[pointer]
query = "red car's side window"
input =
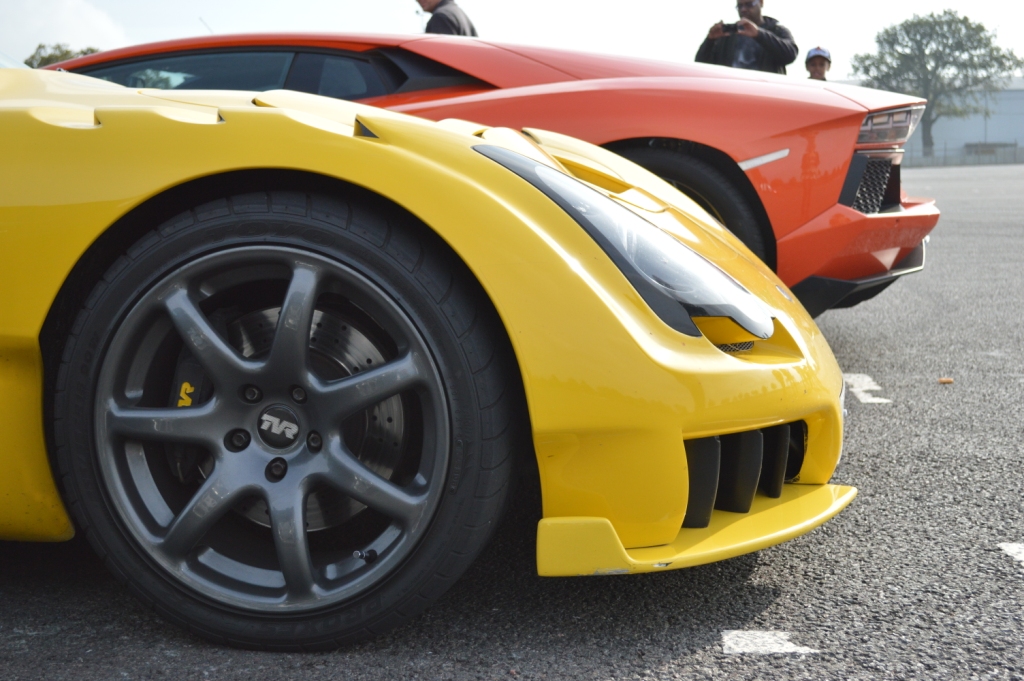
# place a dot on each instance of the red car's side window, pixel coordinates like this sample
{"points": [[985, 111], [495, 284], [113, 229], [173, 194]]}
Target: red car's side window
{"points": [[232, 70], [335, 76]]}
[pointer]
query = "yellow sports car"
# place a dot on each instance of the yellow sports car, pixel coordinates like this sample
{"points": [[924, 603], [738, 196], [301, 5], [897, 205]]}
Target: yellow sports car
{"points": [[277, 356]]}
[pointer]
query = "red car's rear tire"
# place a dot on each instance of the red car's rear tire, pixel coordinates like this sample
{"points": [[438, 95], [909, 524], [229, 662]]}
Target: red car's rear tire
{"points": [[706, 185]]}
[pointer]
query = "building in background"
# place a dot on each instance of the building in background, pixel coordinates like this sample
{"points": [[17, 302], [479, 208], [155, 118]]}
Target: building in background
{"points": [[997, 137]]}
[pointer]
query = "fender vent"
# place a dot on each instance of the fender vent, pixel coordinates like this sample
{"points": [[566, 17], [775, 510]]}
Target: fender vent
{"points": [[727, 471]]}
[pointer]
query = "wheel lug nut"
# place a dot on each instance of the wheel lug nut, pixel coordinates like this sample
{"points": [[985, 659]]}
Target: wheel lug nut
{"points": [[251, 394], [299, 395], [276, 469], [314, 441], [237, 440]]}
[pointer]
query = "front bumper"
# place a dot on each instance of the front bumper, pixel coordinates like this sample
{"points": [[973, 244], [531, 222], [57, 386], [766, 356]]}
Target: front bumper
{"points": [[847, 245], [568, 547], [819, 294]]}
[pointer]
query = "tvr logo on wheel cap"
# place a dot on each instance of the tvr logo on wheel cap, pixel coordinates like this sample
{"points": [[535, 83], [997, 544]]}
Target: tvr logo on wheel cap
{"points": [[278, 427]]}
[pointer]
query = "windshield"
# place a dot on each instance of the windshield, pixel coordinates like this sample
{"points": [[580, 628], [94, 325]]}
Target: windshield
{"points": [[9, 63]]}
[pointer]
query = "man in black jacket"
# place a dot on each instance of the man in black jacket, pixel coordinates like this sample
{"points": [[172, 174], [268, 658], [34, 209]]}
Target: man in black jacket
{"points": [[447, 18], [754, 42]]}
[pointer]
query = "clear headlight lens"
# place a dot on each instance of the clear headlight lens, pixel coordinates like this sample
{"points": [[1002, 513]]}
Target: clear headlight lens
{"points": [[842, 411], [675, 281], [890, 127]]}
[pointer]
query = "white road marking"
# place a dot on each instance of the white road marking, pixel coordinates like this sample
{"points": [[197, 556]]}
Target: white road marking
{"points": [[1015, 551], [860, 384], [736, 642]]}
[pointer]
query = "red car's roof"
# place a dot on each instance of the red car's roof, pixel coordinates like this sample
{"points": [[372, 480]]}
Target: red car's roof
{"points": [[486, 61], [356, 43], [503, 66]]}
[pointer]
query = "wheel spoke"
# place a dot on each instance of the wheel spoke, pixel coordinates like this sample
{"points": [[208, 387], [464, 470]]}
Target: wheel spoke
{"points": [[192, 425], [216, 496], [353, 394], [290, 350], [218, 358], [349, 476], [288, 523]]}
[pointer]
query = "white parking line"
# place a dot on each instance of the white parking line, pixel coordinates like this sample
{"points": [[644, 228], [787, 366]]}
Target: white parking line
{"points": [[860, 384], [1015, 551], [736, 642]]}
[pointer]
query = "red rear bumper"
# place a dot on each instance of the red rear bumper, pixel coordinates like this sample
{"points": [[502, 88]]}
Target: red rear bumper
{"points": [[852, 245]]}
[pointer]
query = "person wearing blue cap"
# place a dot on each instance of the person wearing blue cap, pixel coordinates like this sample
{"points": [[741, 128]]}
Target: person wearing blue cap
{"points": [[819, 61]]}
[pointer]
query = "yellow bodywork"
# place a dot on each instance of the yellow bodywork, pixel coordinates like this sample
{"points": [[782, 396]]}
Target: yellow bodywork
{"points": [[568, 547], [612, 391]]}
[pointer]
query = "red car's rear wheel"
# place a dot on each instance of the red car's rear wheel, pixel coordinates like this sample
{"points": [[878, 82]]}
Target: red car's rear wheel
{"points": [[712, 191]]}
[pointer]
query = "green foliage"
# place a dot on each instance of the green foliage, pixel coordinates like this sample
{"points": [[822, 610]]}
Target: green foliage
{"points": [[945, 58], [51, 54]]}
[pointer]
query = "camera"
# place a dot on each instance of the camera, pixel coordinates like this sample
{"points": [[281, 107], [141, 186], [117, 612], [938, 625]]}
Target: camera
{"points": [[730, 28]]}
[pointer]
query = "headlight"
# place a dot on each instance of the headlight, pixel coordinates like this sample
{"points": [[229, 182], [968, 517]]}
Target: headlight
{"points": [[675, 281], [890, 127], [842, 411]]}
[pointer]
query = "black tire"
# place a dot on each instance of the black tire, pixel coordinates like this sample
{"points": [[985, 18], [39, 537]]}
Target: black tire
{"points": [[706, 185], [126, 452]]}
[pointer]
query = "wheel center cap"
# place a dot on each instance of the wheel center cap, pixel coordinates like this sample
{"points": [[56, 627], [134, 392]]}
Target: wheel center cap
{"points": [[278, 427]]}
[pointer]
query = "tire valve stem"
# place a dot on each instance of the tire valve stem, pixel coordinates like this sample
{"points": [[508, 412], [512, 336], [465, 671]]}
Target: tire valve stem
{"points": [[369, 555]]}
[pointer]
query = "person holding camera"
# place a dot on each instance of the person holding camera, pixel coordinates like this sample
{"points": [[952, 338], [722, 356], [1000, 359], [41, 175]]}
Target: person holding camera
{"points": [[447, 18], [754, 42]]}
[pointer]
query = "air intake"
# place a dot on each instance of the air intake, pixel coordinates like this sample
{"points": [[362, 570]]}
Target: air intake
{"points": [[736, 347], [872, 185], [727, 471], [873, 182]]}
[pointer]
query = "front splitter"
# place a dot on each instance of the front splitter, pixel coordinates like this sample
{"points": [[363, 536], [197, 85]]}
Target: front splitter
{"points": [[575, 546]]}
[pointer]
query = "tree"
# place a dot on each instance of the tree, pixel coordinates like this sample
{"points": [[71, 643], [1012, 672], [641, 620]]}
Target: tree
{"points": [[945, 58], [51, 54]]}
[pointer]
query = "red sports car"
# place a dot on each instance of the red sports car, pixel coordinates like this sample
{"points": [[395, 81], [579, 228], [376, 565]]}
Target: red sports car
{"points": [[807, 174]]}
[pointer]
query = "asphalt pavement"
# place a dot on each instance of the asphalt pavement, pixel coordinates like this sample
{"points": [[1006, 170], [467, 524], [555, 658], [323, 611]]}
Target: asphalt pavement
{"points": [[921, 578]]}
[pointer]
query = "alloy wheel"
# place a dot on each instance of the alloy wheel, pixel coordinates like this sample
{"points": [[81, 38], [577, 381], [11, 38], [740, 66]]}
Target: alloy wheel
{"points": [[272, 429]]}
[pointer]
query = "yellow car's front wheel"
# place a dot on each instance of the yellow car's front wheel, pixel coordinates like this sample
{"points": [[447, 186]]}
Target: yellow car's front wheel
{"points": [[284, 419]]}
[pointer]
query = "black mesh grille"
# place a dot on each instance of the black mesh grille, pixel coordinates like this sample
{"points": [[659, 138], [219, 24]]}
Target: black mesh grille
{"points": [[727, 471], [736, 347], [872, 187]]}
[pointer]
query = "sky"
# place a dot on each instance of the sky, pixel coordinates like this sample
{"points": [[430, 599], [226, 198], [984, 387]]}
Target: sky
{"points": [[669, 30]]}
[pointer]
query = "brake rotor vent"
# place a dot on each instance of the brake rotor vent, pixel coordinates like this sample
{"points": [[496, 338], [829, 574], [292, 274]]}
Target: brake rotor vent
{"points": [[736, 347]]}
